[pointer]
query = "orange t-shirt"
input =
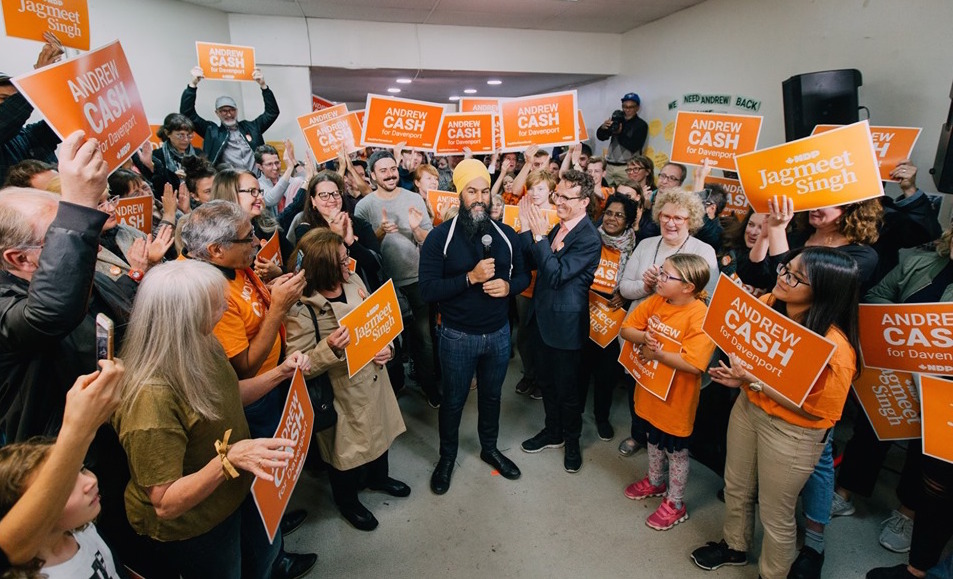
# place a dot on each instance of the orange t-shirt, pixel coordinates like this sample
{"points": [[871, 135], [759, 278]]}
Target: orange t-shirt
{"points": [[246, 309], [829, 392], [676, 414]]}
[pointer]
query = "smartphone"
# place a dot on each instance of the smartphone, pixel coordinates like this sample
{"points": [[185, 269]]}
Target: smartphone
{"points": [[298, 261], [104, 337]]}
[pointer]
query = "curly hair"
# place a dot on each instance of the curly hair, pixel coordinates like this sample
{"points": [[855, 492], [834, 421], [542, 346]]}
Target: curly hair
{"points": [[861, 221], [686, 200]]}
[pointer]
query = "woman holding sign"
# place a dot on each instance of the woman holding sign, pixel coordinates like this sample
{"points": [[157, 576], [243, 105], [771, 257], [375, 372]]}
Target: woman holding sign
{"points": [[368, 416], [774, 445], [182, 425]]}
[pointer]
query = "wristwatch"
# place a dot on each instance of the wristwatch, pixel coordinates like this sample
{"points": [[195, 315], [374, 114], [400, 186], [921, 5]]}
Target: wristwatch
{"points": [[136, 274], [538, 238], [756, 386]]}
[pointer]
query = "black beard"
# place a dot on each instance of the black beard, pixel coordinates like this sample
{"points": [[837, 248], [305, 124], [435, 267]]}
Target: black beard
{"points": [[473, 227]]}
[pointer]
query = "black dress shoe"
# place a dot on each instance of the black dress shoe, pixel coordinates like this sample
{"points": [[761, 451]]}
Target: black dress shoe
{"points": [[358, 515], [440, 479], [293, 565], [503, 465], [391, 486], [292, 520]]}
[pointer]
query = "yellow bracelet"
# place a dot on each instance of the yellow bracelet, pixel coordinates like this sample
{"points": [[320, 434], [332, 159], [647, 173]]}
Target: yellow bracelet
{"points": [[221, 447]]}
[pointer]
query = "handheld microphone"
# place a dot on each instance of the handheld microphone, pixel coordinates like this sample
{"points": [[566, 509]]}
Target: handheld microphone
{"points": [[487, 241]]}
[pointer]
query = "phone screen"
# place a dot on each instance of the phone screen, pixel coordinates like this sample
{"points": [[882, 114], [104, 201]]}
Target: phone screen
{"points": [[104, 337]]}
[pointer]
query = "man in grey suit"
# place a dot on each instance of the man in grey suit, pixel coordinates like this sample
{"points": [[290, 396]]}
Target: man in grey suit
{"points": [[565, 261]]}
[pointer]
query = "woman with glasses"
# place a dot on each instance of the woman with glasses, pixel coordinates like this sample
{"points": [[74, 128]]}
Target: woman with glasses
{"points": [[125, 184], [644, 226], [369, 419], [324, 209], [773, 445], [641, 169], [176, 135], [242, 187]]}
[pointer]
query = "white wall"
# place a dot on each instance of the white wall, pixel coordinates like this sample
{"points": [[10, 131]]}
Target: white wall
{"points": [[750, 46]]}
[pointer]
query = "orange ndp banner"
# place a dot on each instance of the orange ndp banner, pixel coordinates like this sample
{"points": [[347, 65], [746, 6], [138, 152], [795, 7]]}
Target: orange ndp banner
{"points": [[891, 145], [825, 170], [318, 103], [736, 203], [714, 136], [777, 350], [439, 202], [936, 411], [391, 120], [607, 274], [511, 217], [297, 424], [329, 130], [653, 375], [94, 92], [271, 250], [544, 120], [136, 212], [67, 19], [373, 325], [605, 322], [225, 61], [480, 105], [908, 337], [891, 402], [465, 130]]}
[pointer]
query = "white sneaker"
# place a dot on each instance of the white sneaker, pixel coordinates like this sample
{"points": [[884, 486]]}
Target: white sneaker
{"points": [[841, 507], [897, 533]]}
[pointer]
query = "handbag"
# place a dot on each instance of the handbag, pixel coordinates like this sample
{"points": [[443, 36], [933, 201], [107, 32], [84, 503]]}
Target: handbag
{"points": [[320, 390]]}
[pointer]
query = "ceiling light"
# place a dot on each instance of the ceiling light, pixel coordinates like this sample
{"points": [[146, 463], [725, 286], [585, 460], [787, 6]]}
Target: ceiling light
{"points": [[404, 80], [470, 90], [393, 90], [494, 81], [454, 98]]}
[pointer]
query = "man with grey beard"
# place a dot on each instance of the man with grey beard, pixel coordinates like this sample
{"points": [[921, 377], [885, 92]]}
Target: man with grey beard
{"points": [[470, 266]]}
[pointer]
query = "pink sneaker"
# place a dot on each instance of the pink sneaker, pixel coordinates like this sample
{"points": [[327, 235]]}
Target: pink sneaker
{"points": [[666, 516], [643, 489]]}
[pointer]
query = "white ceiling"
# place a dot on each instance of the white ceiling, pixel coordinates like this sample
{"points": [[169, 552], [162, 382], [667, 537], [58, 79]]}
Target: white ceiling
{"points": [[611, 16]]}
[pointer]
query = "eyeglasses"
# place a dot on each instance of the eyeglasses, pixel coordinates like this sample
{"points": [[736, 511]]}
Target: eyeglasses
{"points": [[676, 219], [346, 260], [789, 277], [325, 195], [109, 203], [250, 239], [635, 169], [182, 136], [664, 276], [254, 192], [560, 198], [616, 214], [667, 177]]}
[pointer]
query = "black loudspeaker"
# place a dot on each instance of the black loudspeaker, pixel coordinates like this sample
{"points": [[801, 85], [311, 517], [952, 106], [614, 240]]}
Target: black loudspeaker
{"points": [[820, 98], [942, 170]]}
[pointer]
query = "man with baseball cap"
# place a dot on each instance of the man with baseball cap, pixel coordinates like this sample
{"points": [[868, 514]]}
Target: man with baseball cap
{"points": [[626, 134], [234, 141]]}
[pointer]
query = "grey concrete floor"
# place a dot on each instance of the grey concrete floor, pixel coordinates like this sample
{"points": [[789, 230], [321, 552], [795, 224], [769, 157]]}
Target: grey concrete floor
{"points": [[547, 524]]}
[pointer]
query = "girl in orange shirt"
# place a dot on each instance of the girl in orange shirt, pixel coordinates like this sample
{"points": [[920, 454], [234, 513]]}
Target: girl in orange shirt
{"points": [[674, 313]]}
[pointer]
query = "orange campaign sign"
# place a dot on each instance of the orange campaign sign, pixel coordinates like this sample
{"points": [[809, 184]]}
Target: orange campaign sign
{"points": [[825, 170], [736, 203], [471, 130], [936, 411], [480, 105], [329, 130], [94, 92], [654, 376], [157, 142], [891, 144], [136, 212], [318, 103], [583, 131], [607, 274], [439, 202], [297, 424], [271, 250], [777, 350], [891, 402], [908, 337], [391, 120], [225, 61], [544, 120], [605, 322], [717, 137], [67, 19], [511, 217], [373, 324]]}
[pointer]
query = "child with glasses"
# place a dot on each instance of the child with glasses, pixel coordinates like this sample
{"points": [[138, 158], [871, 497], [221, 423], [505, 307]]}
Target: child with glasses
{"points": [[674, 315]]}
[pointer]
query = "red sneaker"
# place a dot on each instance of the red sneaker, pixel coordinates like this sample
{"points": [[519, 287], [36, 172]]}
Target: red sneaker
{"points": [[666, 516], [643, 489]]}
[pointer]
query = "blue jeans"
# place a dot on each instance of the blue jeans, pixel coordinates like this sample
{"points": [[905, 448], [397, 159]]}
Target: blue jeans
{"points": [[461, 354], [818, 492]]}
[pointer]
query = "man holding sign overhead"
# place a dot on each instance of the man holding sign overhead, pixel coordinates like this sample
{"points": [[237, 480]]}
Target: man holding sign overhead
{"points": [[233, 141], [470, 266]]}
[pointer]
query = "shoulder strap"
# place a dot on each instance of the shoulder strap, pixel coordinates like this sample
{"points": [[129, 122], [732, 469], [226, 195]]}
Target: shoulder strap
{"points": [[314, 320]]}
